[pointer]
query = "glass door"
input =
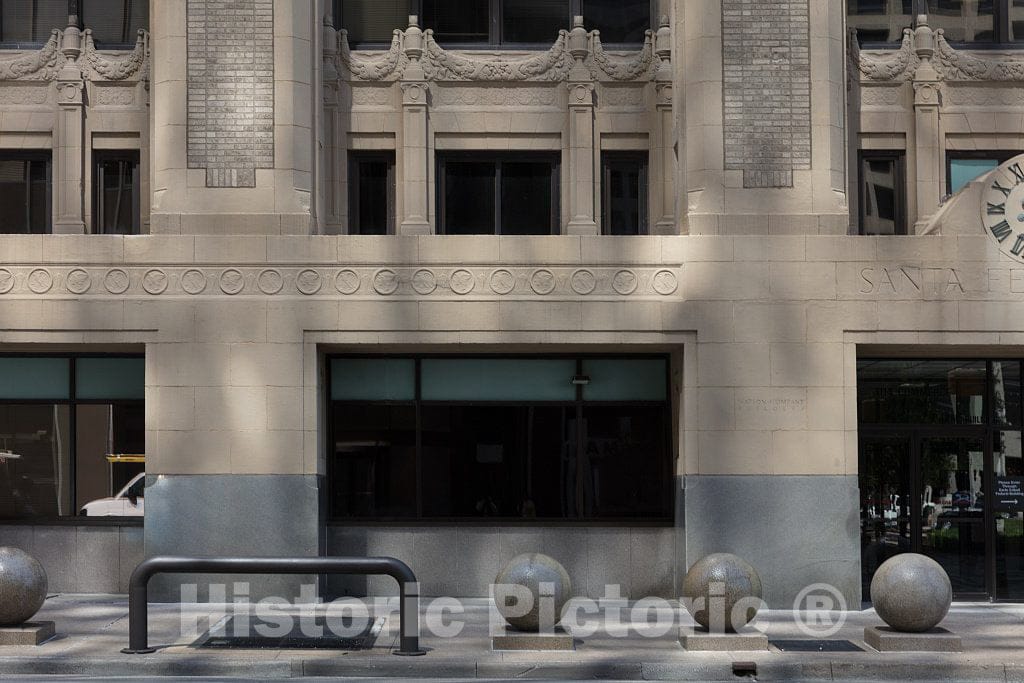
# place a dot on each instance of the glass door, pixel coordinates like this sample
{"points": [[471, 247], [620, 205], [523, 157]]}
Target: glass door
{"points": [[885, 509], [1008, 513], [950, 490]]}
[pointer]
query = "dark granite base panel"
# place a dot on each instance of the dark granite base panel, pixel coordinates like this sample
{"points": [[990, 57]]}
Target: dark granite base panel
{"points": [[232, 515], [795, 530]]}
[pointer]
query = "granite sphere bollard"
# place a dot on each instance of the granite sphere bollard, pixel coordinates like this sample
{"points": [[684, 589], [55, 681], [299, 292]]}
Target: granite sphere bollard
{"points": [[534, 581], [722, 592], [911, 593], [22, 586]]}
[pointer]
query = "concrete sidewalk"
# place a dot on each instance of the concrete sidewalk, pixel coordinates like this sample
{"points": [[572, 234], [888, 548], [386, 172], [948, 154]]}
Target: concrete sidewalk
{"points": [[92, 629]]}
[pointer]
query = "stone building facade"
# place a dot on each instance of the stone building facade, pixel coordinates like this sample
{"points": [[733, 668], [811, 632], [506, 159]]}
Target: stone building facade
{"points": [[700, 386]]}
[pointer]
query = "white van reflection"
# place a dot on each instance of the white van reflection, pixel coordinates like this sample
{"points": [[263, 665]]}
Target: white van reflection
{"points": [[129, 501]]}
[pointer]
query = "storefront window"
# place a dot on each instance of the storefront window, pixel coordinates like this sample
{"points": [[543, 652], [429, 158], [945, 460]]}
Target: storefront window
{"points": [[448, 438], [921, 391], [72, 437]]}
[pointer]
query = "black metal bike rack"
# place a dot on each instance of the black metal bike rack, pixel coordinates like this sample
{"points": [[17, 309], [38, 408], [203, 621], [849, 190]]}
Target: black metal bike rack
{"points": [[138, 598]]}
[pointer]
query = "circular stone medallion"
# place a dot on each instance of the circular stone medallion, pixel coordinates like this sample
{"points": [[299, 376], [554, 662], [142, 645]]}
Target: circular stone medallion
{"points": [[347, 282], [385, 281], [308, 281], [40, 281], [462, 282], [502, 281], [155, 281], [79, 281], [270, 282], [624, 282], [232, 281], [424, 282], [542, 281], [6, 281], [583, 282], [193, 281], [665, 282], [117, 281]]}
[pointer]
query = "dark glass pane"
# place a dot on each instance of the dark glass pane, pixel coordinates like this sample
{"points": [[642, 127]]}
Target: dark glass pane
{"points": [[1006, 400], [619, 21], [920, 391], [115, 21], [880, 209], [371, 21], [39, 196], [625, 472], [498, 461], [373, 472], [626, 195], [469, 197], [14, 202], [1016, 20], [49, 14], [526, 200], [964, 21], [373, 184], [458, 21], [534, 21], [952, 509], [116, 213], [35, 461], [884, 502], [102, 431], [879, 21], [1009, 550]]}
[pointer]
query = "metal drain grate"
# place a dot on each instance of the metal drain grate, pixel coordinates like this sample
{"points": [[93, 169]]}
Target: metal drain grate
{"points": [[221, 637], [816, 646]]}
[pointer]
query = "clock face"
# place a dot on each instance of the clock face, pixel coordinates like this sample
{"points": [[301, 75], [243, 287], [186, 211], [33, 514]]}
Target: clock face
{"points": [[1002, 207]]}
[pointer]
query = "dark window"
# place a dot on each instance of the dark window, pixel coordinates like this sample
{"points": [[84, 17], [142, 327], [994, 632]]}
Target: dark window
{"points": [[494, 22], [72, 436], [481, 194], [926, 391], [881, 22], [31, 21], [372, 193], [882, 193], [963, 167], [624, 193], [500, 438], [116, 193], [114, 23], [25, 192]]}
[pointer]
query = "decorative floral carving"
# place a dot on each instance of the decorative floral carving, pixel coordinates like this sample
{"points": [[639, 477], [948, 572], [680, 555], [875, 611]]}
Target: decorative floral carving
{"points": [[386, 67], [364, 95], [524, 96], [622, 96], [881, 95], [886, 65], [442, 65], [115, 95], [104, 67], [629, 68], [40, 65], [961, 65], [24, 94]]}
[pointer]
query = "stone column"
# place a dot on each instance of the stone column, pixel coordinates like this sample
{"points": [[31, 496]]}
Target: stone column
{"points": [[927, 128], [663, 159], [69, 145], [415, 140], [581, 137], [330, 199]]}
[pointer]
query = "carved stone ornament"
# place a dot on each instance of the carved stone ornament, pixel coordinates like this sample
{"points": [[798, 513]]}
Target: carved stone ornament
{"points": [[106, 67], [39, 65], [886, 65], [439, 64], [1002, 207]]}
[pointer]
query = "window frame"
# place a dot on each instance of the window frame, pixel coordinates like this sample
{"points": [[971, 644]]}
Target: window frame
{"points": [[355, 158], [667, 465], [1001, 156], [129, 44], [495, 23], [1001, 29], [46, 157], [498, 159], [610, 158], [73, 402], [100, 156], [900, 191], [74, 7]]}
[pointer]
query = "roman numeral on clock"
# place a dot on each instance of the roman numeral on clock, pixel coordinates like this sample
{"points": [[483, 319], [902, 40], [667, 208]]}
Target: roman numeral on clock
{"points": [[1018, 174], [1018, 246], [996, 209], [997, 186], [1001, 230]]}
